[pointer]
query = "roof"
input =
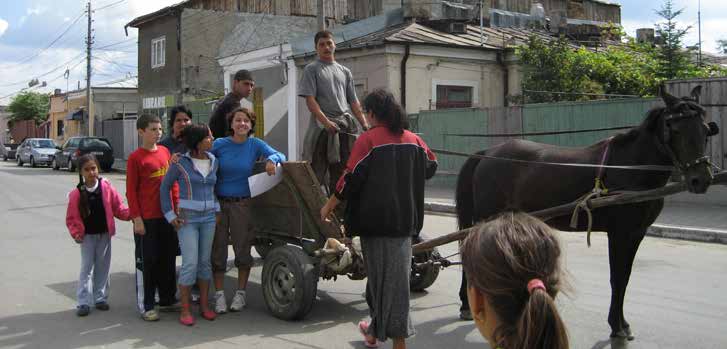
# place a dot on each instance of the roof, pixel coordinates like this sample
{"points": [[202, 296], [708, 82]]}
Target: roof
{"points": [[136, 22], [415, 33]]}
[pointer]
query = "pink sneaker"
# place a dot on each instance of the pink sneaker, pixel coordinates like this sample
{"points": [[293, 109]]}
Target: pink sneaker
{"points": [[369, 340]]}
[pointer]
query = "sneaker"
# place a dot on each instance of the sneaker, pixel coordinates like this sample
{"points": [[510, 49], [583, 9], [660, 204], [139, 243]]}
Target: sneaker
{"points": [[103, 306], [195, 297], [83, 310], [220, 302], [150, 315], [238, 302], [465, 314]]}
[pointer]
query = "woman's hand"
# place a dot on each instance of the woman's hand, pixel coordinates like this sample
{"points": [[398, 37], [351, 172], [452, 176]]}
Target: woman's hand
{"points": [[78, 239], [177, 223], [138, 226], [175, 158], [328, 208], [270, 168]]}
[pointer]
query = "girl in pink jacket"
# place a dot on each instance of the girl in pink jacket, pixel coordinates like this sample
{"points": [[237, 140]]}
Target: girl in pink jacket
{"points": [[92, 207]]}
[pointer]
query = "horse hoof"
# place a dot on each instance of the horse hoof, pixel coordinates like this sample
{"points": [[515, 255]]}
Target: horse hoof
{"points": [[623, 334]]}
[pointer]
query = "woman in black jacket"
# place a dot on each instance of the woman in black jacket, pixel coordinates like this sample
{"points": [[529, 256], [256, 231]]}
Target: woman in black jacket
{"points": [[383, 186]]}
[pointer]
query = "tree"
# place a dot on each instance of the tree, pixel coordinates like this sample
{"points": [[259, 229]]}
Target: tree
{"points": [[722, 46], [674, 59], [29, 106]]}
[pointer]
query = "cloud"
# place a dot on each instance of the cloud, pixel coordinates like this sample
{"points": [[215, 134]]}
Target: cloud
{"points": [[3, 26], [36, 10]]}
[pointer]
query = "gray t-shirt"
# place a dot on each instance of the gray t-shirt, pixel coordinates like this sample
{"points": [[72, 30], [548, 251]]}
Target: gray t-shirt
{"points": [[332, 86]]}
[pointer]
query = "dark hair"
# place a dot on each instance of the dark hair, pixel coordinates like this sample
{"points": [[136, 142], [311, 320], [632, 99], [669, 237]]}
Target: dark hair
{"points": [[321, 35], [500, 257], [176, 110], [386, 110], [193, 134], [83, 204], [243, 75], [250, 115], [145, 119]]}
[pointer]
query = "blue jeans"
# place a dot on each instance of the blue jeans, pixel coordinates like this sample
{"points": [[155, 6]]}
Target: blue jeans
{"points": [[95, 267], [195, 241]]}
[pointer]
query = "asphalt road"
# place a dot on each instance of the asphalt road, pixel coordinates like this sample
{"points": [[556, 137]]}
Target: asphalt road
{"points": [[676, 298]]}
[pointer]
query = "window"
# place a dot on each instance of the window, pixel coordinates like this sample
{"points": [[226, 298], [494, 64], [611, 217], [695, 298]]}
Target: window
{"points": [[450, 96], [59, 128], [158, 50]]}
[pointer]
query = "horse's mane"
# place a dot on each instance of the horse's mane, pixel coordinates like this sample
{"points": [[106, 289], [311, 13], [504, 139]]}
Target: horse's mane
{"points": [[653, 116]]}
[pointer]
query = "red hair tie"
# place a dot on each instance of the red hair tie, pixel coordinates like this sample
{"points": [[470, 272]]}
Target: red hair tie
{"points": [[535, 283]]}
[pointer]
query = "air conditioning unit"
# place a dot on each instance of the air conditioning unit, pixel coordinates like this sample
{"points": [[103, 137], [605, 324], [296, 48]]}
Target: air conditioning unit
{"points": [[434, 10], [457, 28]]}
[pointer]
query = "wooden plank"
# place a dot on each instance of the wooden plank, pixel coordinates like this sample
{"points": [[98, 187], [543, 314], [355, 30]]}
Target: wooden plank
{"points": [[308, 187]]}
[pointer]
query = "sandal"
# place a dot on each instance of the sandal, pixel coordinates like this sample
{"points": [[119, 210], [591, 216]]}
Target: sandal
{"points": [[208, 315], [369, 340]]}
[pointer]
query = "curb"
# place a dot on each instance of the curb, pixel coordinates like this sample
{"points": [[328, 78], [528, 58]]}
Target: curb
{"points": [[657, 230]]}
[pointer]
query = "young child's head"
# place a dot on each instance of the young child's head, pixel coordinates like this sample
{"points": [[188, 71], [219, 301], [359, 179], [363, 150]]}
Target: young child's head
{"points": [[241, 121], [513, 270], [87, 176], [381, 108], [197, 138], [149, 128]]}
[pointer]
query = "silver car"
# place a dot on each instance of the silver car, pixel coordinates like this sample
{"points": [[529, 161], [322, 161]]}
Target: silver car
{"points": [[36, 151]]}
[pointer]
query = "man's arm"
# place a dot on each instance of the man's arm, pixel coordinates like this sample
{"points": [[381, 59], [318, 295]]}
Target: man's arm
{"points": [[315, 109], [358, 113]]}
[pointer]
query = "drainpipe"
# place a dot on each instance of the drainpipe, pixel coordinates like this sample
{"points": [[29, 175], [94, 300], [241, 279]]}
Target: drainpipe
{"points": [[505, 74], [403, 76]]}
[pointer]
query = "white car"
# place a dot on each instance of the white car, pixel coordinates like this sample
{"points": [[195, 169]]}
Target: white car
{"points": [[36, 151]]}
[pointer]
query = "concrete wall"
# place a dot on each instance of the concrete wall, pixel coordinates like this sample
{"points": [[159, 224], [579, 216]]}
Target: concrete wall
{"points": [[207, 35], [164, 80]]}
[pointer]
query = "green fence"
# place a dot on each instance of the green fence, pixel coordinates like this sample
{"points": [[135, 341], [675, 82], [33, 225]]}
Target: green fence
{"points": [[446, 129]]}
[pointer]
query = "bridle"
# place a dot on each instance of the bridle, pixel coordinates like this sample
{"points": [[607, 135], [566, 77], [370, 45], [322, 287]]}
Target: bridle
{"points": [[664, 145]]}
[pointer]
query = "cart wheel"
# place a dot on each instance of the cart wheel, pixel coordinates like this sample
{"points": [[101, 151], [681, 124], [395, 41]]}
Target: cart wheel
{"points": [[289, 282], [425, 277], [264, 246]]}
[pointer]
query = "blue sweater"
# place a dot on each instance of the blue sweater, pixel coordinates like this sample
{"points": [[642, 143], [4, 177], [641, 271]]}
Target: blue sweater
{"points": [[195, 191], [237, 161]]}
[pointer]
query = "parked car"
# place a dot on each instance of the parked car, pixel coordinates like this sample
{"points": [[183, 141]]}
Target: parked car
{"points": [[35, 151], [67, 155], [7, 151]]}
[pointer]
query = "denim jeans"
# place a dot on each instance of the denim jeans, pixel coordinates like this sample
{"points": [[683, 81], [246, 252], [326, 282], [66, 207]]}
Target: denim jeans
{"points": [[195, 241], [95, 267]]}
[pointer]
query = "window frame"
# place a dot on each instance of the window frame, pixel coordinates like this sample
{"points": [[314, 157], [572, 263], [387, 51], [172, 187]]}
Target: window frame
{"points": [[474, 92], [158, 52]]}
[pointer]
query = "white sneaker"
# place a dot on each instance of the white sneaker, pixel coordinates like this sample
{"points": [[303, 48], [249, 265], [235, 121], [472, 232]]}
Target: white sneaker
{"points": [[238, 302], [220, 302]]}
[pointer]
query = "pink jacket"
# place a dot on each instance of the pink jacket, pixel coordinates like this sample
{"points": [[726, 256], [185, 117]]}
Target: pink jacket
{"points": [[113, 205]]}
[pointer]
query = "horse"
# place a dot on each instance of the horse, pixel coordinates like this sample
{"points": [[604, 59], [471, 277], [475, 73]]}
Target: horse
{"points": [[672, 136]]}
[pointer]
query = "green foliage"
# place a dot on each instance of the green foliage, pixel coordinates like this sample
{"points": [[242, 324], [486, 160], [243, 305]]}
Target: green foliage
{"points": [[29, 106], [674, 60], [722, 46]]}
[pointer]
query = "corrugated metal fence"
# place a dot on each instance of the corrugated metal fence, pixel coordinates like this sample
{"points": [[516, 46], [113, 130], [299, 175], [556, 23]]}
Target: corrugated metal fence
{"points": [[446, 129]]}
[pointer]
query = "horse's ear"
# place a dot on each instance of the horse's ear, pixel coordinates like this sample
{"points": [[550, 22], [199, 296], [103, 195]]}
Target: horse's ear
{"points": [[696, 92], [669, 100]]}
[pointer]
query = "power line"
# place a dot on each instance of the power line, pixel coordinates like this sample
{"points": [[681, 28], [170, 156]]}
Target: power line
{"points": [[109, 5], [48, 72], [51, 43]]}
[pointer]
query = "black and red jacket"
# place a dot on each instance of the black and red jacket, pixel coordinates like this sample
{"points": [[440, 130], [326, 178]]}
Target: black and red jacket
{"points": [[383, 184]]}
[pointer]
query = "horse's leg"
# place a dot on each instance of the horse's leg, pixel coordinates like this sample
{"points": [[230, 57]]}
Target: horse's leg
{"points": [[621, 252], [635, 242]]}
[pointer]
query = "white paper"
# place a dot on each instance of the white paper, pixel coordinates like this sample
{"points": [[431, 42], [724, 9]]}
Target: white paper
{"points": [[261, 182]]}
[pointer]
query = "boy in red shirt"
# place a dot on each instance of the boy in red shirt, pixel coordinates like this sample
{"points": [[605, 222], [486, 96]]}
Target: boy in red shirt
{"points": [[155, 240]]}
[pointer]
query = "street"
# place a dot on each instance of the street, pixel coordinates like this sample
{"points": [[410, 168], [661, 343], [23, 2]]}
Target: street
{"points": [[676, 298]]}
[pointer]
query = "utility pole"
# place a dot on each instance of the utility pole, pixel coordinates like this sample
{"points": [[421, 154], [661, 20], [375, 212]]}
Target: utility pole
{"points": [[699, 21], [85, 127], [321, 16]]}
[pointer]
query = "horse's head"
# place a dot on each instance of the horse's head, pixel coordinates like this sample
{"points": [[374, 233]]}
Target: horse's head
{"points": [[683, 135]]}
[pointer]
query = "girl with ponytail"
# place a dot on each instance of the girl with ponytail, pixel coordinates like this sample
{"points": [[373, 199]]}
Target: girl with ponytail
{"points": [[92, 207], [513, 271]]}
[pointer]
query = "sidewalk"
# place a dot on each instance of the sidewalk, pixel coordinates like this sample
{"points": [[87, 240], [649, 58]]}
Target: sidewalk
{"points": [[685, 216], [119, 165]]}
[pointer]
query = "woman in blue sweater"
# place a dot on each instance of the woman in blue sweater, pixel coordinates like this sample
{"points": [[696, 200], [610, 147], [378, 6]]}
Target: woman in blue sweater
{"points": [[237, 155], [196, 173]]}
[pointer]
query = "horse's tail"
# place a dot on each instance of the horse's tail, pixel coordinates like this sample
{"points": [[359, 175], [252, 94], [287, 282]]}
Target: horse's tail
{"points": [[464, 196]]}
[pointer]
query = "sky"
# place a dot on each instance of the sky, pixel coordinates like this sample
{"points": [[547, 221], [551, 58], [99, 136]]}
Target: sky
{"points": [[40, 39]]}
